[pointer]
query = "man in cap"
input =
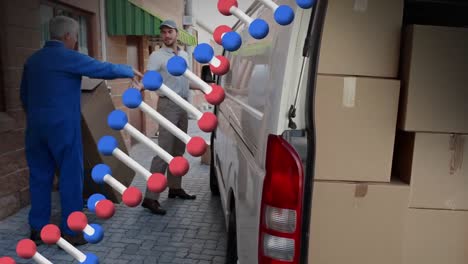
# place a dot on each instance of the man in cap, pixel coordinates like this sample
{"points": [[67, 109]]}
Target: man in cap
{"points": [[171, 111]]}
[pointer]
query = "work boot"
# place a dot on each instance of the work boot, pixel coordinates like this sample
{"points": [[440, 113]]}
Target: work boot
{"points": [[173, 193], [75, 240], [36, 237], [153, 206]]}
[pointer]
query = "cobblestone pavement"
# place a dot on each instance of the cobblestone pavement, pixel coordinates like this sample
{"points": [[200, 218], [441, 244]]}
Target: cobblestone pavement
{"points": [[190, 232]]}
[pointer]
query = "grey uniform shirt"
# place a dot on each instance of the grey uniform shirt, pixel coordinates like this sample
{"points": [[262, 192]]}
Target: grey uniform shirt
{"points": [[158, 62]]}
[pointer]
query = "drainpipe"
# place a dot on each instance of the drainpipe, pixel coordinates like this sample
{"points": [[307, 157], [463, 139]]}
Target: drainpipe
{"points": [[190, 49], [189, 13], [102, 17], [205, 26]]}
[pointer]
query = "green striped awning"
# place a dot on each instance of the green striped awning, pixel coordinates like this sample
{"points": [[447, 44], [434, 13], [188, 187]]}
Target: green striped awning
{"points": [[125, 18]]}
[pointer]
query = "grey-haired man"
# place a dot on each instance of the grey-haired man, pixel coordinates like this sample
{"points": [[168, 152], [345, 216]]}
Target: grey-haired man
{"points": [[50, 94]]}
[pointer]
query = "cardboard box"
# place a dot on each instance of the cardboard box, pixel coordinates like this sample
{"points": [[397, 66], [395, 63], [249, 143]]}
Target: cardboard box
{"points": [[362, 38], [150, 126], [355, 126], [357, 223], [96, 104], [436, 166], [434, 77], [435, 237]]}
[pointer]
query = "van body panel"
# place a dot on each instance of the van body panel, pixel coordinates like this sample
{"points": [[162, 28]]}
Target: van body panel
{"points": [[260, 87]]}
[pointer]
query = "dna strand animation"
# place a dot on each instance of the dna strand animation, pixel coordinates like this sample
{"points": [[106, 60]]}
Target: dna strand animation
{"points": [[178, 166], [78, 222], [26, 249], [152, 81], [51, 235], [98, 204], [10, 260]]}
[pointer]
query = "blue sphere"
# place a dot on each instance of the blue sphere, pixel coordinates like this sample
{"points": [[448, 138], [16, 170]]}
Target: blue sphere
{"points": [[176, 66], [203, 53], [107, 144], [231, 41], [152, 80], [117, 119], [284, 15], [93, 199], [132, 98], [90, 259], [305, 4], [97, 236], [99, 171], [259, 29]]}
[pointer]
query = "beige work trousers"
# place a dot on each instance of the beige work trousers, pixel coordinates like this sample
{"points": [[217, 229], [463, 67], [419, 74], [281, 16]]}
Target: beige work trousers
{"points": [[169, 143]]}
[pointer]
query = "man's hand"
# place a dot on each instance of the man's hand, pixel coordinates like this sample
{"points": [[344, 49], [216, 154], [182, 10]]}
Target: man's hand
{"points": [[137, 73], [135, 82]]}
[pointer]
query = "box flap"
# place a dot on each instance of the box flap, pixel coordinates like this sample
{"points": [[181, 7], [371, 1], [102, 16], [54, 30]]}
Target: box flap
{"points": [[88, 84]]}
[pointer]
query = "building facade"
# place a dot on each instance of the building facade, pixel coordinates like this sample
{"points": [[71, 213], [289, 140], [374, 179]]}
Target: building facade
{"points": [[24, 29]]}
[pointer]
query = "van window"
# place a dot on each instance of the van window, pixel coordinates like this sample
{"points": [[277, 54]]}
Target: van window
{"points": [[257, 73]]}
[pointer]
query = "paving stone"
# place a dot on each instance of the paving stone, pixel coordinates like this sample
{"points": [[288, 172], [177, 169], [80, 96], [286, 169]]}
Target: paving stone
{"points": [[190, 232]]}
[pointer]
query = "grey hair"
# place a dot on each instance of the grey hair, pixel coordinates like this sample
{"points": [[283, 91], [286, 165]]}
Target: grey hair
{"points": [[61, 25]]}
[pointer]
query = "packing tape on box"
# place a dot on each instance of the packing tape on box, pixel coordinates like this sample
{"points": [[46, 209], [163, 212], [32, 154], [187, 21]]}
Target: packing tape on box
{"points": [[456, 147], [450, 204], [360, 5], [361, 190], [349, 92]]}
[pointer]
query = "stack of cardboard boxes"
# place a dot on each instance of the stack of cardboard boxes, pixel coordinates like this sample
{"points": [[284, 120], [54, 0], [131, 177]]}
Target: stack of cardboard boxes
{"points": [[358, 209], [383, 194], [431, 152]]}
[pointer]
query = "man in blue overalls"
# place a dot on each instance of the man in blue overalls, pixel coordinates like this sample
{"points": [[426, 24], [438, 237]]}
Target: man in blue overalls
{"points": [[51, 95]]}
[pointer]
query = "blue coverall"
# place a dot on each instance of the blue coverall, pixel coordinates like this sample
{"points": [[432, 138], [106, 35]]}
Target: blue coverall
{"points": [[51, 94]]}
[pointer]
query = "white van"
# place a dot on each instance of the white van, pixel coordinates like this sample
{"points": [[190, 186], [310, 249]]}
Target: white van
{"points": [[260, 146], [264, 148]]}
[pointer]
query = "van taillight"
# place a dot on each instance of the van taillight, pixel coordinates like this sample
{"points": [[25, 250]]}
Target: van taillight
{"points": [[280, 221]]}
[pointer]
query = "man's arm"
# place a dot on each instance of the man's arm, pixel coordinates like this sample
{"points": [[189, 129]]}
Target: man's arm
{"points": [[23, 90], [86, 66]]}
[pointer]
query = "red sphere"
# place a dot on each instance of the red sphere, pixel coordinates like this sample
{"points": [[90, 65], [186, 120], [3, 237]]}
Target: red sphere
{"points": [[223, 68], [216, 96], [219, 31], [7, 260], [132, 197], [224, 6], [208, 122], [25, 249], [77, 221], [196, 146], [157, 183], [179, 166], [105, 209], [50, 234]]}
